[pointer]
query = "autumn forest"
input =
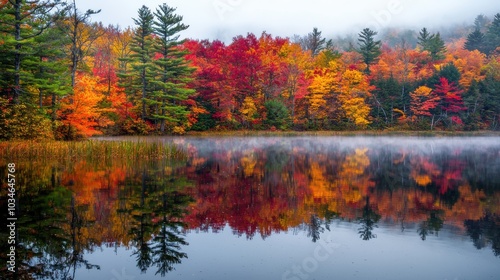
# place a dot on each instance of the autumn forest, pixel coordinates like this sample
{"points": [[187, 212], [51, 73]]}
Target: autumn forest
{"points": [[64, 76]]}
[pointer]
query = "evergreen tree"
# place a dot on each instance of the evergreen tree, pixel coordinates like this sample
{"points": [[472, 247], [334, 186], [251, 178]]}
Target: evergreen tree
{"points": [[490, 111], [432, 43], [368, 47], [277, 114], [315, 42], [480, 23], [21, 22], [450, 72], [171, 70], [437, 47], [493, 34], [50, 70], [475, 41], [424, 38], [138, 79]]}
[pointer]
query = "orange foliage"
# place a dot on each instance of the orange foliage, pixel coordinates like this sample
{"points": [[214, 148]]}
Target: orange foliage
{"points": [[469, 63], [81, 111]]}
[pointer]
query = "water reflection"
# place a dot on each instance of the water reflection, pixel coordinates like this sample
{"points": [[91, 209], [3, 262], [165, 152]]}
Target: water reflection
{"points": [[67, 213], [256, 186]]}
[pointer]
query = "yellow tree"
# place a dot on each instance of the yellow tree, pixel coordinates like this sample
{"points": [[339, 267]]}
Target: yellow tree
{"points": [[248, 110], [322, 86], [354, 90], [321, 97]]}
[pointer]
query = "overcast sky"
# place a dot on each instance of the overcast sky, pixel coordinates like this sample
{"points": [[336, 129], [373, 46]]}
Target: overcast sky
{"points": [[224, 19]]}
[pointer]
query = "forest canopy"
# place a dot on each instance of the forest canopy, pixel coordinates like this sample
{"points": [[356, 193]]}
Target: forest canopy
{"points": [[64, 76]]}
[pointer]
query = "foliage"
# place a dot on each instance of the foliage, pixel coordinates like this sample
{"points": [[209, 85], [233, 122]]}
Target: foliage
{"points": [[170, 71], [277, 114], [80, 113], [82, 78], [23, 122], [368, 47]]}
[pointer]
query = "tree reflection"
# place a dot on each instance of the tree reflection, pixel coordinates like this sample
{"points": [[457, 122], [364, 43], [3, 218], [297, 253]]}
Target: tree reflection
{"points": [[431, 226], [485, 231], [157, 209], [169, 240], [368, 221], [315, 228], [50, 244]]}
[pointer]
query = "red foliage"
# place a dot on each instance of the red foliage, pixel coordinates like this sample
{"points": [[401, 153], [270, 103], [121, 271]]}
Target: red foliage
{"points": [[451, 96]]}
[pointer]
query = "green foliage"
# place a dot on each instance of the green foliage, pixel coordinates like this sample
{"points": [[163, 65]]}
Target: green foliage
{"points": [[170, 70], [137, 80], [205, 121], [450, 72], [316, 42], [386, 97], [277, 114], [432, 43], [476, 41], [424, 37], [18, 44], [493, 35], [159, 73], [368, 47], [490, 110]]}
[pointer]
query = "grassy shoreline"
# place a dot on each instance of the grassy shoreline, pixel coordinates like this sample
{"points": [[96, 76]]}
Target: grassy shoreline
{"points": [[90, 150]]}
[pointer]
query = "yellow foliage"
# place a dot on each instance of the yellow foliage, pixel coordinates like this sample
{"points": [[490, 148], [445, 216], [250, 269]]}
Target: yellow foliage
{"points": [[248, 162], [321, 87], [403, 115], [354, 89], [179, 130], [248, 109], [468, 63], [422, 91]]}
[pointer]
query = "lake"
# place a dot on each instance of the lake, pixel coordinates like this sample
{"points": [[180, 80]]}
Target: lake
{"points": [[269, 208]]}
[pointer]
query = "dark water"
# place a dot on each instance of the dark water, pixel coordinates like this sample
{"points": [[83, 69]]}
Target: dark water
{"points": [[269, 208]]}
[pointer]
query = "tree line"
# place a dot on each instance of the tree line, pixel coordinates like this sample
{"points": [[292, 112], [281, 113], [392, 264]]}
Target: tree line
{"points": [[66, 77]]}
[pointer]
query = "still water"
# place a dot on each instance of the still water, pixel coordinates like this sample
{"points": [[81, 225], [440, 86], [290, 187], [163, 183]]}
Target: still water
{"points": [[270, 208]]}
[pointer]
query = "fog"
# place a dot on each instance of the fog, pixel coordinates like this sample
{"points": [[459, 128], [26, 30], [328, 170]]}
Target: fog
{"points": [[325, 144], [224, 19]]}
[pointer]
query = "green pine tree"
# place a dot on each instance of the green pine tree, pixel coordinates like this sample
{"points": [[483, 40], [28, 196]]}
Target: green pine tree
{"points": [[493, 34], [432, 43], [20, 23], [315, 42], [171, 70], [139, 77], [50, 71], [368, 47], [424, 38], [437, 47], [475, 41]]}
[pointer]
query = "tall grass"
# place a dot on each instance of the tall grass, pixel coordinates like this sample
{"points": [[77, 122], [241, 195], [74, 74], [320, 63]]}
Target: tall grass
{"points": [[91, 150]]}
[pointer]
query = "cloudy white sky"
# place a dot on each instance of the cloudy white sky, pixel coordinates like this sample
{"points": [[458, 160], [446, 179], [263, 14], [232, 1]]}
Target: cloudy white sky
{"points": [[224, 19]]}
